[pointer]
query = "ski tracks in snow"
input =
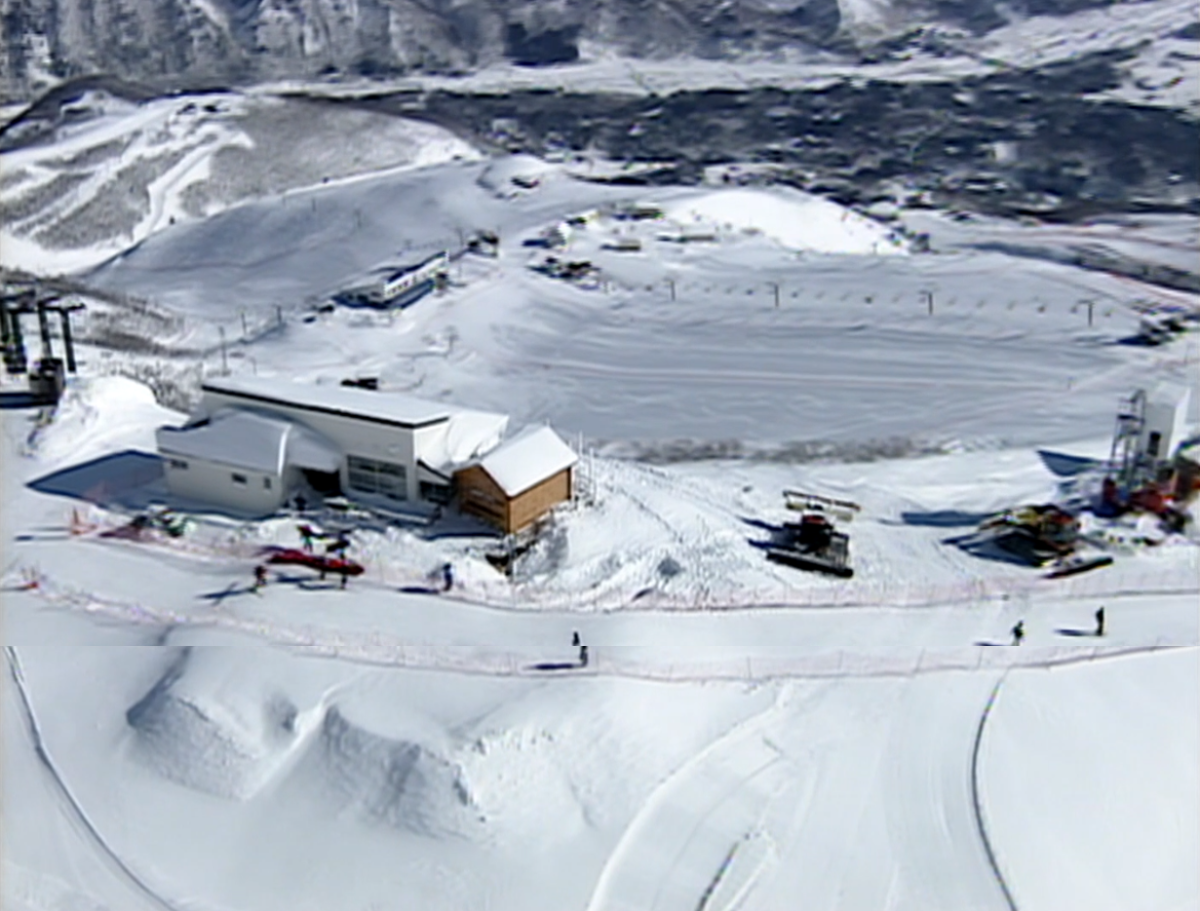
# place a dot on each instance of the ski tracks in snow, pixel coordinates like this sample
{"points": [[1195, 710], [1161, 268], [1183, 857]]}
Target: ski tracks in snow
{"points": [[820, 803]]}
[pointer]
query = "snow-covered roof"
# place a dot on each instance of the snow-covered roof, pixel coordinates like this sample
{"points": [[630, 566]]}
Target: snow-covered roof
{"points": [[404, 267], [381, 406], [239, 438], [532, 456], [249, 439], [308, 449], [465, 437]]}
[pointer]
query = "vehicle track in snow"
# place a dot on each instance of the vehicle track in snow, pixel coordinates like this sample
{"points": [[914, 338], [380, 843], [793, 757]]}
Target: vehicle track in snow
{"points": [[67, 799], [977, 803]]}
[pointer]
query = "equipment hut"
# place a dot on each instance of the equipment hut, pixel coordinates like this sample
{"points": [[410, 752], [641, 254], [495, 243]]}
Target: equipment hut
{"points": [[519, 481]]}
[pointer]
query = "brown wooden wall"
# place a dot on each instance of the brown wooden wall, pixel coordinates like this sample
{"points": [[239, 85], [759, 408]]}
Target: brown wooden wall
{"points": [[480, 496], [538, 500]]}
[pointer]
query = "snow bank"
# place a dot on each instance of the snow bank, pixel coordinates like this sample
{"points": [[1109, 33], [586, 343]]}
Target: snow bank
{"points": [[794, 219], [100, 415], [215, 726]]}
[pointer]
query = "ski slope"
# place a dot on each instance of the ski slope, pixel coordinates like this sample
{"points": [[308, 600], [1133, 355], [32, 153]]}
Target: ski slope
{"points": [[118, 172]]}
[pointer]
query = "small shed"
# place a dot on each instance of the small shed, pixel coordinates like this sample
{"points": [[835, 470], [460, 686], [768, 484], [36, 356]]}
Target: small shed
{"points": [[519, 481]]}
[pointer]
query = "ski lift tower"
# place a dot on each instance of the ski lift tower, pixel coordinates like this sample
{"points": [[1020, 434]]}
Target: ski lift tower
{"points": [[48, 378], [1125, 456]]}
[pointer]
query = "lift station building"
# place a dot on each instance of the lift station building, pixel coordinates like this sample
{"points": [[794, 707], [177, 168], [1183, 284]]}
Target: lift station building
{"points": [[255, 442]]}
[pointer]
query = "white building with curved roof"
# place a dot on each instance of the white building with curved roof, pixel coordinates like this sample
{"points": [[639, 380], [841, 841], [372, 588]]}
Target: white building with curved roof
{"points": [[256, 441]]}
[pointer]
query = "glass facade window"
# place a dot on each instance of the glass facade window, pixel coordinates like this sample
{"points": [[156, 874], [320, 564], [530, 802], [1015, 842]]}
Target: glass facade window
{"points": [[436, 493], [385, 479]]}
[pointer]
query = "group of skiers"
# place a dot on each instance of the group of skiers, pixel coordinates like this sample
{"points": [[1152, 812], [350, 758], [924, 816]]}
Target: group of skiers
{"points": [[1018, 631], [336, 549]]}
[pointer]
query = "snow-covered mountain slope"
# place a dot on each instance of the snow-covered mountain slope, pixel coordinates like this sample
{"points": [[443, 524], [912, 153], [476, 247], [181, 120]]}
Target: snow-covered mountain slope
{"points": [[103, 173]]}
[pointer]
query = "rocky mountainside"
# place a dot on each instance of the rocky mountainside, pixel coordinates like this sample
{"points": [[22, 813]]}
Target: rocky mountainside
{"points": [[194, 42]]}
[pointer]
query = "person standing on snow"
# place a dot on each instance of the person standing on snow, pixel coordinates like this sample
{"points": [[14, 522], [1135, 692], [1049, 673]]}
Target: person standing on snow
{"points": [[1100, 621], [1018, 632], [339, 546], [583, 656], [447, 577], [260, 577], [575, 639]]}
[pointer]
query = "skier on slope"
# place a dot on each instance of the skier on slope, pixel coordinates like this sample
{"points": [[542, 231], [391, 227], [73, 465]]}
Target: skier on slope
{"points": [[1100, 621], [575, 639], [1018, 632], [307, 533], [583, 656], [260, 577], [447, 577]]}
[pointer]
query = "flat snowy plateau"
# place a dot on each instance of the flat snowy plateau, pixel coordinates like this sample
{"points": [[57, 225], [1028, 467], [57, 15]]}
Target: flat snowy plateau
{"points": [[745, 735]]}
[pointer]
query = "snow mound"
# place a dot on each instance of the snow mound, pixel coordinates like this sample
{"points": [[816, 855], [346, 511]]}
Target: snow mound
{"points": [[211, 729], [398, 782], [796, 220], [99, 415], [510, 174]]}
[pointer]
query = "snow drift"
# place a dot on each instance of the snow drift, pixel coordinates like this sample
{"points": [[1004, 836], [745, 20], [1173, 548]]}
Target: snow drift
{"points": [[97, 414]]}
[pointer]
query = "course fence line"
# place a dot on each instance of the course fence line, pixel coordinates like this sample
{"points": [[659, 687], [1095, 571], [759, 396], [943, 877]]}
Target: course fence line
{"points": [[379, 649], [501, 593]]}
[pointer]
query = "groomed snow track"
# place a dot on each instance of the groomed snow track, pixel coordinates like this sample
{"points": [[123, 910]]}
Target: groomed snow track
{"points": [[68, 801]]}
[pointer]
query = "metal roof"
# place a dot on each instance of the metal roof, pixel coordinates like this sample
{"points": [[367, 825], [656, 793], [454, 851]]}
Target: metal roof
{"points": [[385, 407]]}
